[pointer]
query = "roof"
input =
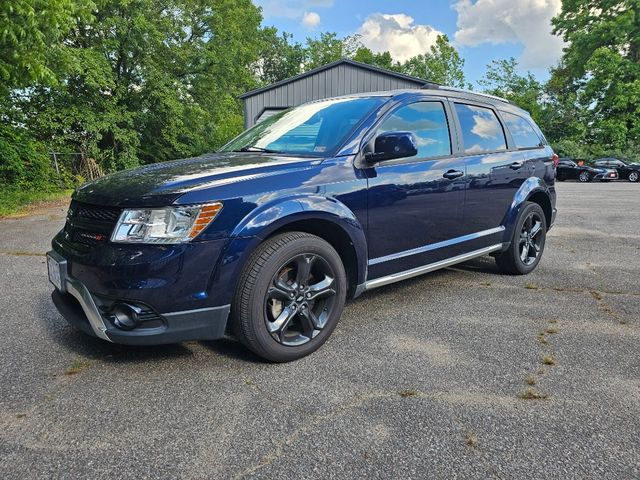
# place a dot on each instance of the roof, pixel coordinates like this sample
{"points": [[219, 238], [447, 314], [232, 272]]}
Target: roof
{"points": [[418, 81]]}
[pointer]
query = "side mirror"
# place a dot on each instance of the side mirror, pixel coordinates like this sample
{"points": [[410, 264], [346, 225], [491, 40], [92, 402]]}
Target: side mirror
{"points": [[390, 145]]}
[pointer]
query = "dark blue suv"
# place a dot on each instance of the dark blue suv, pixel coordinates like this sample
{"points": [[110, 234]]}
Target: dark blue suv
{"points": [[267, 238]]}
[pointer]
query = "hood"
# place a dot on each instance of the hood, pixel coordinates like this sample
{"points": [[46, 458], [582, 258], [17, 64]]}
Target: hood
{"points": [[161, 183]]}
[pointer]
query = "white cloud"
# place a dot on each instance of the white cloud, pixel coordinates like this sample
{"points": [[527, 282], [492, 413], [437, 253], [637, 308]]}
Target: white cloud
{"points": [[291, 9], [397, 34], [311, 19], [500, 21]]}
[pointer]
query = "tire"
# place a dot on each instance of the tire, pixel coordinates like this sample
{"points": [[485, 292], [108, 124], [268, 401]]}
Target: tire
{"points": [[274, 313], [584, 177], [634, 176], [511, 261]]}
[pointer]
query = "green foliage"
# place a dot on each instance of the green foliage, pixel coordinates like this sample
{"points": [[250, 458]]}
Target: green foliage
{"points": [[24, 163], [502, 79], [280, 57], [442, 64], [147, 82], [600, 72], [30, 30]]}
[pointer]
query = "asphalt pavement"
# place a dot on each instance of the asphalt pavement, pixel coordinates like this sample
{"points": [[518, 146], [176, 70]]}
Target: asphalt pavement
{"points": [[463, 373]]}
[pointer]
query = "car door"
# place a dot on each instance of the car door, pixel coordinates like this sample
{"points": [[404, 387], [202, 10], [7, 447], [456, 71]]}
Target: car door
{"points": [[415, 204], [494, 172]]}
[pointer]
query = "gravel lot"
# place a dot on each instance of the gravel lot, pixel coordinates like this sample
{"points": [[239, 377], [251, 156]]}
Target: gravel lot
{"points": [[422, 379]]}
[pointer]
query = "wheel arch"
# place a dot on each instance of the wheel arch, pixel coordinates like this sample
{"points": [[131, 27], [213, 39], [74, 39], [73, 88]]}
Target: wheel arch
{"points": [[535, 190], [324, 217]]}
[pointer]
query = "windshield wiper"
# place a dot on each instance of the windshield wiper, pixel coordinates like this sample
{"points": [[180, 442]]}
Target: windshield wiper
{"points": [[256, 149]]}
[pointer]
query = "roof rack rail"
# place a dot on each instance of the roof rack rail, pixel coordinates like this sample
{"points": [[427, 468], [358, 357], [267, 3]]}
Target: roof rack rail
{"points": [[436, 86]]}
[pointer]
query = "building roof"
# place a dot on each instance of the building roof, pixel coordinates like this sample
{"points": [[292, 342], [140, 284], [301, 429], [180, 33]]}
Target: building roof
{"points": [[418, 81]]}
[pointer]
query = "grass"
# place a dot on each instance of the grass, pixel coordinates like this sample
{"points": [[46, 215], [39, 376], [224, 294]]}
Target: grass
{"points": [[530, 380], [14, 201], [533, 394], [472, 439], [408, 393], [77, 366], [548, 360], [531, 286], [552, 331]]}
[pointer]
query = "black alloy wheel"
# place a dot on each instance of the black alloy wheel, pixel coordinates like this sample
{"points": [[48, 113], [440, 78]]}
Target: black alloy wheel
{"points": [[290, 296], [584, 177], [531, 238], [527, 243], [300, 300]]}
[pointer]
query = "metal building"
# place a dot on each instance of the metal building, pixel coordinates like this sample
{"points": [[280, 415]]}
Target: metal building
{"points": [[338, 78]]}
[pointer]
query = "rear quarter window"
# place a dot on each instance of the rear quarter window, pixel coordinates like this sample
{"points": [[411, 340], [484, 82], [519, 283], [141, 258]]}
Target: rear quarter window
{"points": [[481, 129], [521, 130]]}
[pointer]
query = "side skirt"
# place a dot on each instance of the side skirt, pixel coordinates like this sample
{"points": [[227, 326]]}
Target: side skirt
{"points": [[414, 272]]}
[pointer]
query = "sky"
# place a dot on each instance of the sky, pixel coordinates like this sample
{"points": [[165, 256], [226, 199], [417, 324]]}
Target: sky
{"points": [[481, 30]]}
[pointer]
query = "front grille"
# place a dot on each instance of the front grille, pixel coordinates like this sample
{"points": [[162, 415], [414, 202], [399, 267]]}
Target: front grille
{"points": [[94, 212], [89, 225]]}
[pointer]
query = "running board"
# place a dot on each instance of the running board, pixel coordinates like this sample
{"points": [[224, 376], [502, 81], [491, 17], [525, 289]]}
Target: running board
{"points": [[414, 272]]}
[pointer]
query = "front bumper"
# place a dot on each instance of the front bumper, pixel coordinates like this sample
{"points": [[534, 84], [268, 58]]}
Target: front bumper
{"points": [[91, 314]]}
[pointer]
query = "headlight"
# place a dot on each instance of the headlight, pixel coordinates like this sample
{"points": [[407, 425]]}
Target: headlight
{"points": [[164, 225]]}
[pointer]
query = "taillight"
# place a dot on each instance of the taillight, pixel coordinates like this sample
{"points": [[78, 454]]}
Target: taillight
{"points": [[555, 159]]}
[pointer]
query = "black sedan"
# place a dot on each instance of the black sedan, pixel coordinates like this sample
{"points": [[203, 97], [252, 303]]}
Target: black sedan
{"points": [[569, 170], [630, 171]]}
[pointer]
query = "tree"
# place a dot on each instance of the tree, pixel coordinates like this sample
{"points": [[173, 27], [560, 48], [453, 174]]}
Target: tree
{"points": [[442, 64], [601, 67], [280, 57], [502, 79], [380, 60], [329, 48], [149, 81], [29, 31]]}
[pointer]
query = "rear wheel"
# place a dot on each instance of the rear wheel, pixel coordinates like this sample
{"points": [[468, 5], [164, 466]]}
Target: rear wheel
{"points": [[584, 177], [634, 176], [290, 297], [527, 244]]}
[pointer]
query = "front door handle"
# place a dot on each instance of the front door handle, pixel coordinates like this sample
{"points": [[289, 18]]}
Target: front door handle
{"points": [[516, 165], [451, 174]]}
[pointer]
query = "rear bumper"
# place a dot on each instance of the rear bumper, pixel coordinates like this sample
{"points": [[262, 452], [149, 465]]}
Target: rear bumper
{"points": [[91, 314]]}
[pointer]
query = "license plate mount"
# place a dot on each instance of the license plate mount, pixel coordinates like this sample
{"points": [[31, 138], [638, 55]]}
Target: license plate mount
{"points": [[57, 268]]}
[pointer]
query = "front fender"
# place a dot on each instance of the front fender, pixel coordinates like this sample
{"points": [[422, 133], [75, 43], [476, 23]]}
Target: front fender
{"points": [[530, 187], [269, 218]]}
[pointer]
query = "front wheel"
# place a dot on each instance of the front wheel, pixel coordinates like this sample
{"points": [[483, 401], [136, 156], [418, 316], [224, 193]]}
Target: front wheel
{"points": [[290, 297], [527, 243], [634, 176]]}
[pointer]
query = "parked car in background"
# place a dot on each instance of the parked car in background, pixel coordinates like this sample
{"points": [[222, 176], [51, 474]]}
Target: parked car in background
{"points": [[569, 170], [627, 171], [268, 237]]}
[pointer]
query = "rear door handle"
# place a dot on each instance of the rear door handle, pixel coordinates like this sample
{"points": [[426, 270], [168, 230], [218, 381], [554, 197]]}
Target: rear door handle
{"points": [[516, 165], [451, 174]]}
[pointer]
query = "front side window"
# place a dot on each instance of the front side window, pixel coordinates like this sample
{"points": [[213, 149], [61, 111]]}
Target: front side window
{"points": [[316, 128], [481, 129], [428, 122], [521, 131]]}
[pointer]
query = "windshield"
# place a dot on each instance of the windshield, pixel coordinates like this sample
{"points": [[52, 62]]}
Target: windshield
{"points": [[316, 128]]}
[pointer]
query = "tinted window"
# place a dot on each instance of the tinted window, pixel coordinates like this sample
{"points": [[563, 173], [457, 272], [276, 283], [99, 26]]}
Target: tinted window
{"points": [[315, 128], [521, 130], [428, 122], [481, 130]]}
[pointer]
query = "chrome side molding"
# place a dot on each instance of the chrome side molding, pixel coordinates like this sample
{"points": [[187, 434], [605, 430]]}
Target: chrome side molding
{"points": [[414, 272]]}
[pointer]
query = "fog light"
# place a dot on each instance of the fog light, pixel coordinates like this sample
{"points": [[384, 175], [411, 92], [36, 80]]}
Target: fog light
{"points": [[124, 316]]}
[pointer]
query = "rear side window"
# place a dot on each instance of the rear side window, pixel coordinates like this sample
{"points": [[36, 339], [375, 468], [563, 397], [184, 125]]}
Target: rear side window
{"points": [[521, 131], [428, 122], [481, 129]]}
